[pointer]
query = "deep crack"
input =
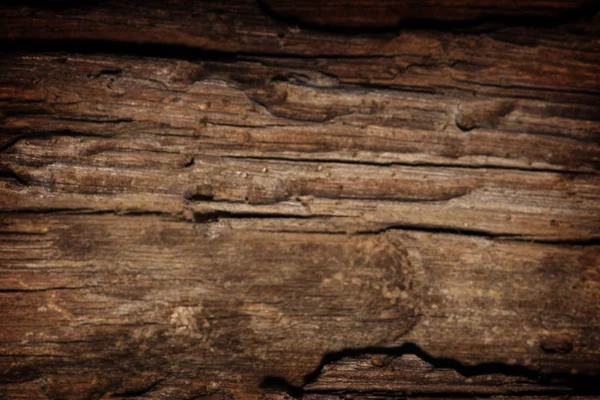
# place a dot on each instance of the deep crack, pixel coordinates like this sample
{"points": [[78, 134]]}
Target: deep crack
{"points": [[577, 383]]}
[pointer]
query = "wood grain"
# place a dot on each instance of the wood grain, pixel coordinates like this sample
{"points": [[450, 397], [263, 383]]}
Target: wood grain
{"points": [[556, 62], [148, 296], [208, 200], [134, 141]]}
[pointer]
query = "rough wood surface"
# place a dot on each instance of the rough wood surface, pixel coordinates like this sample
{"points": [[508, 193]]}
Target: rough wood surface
{"points": [[144, 295], [225, 205]]}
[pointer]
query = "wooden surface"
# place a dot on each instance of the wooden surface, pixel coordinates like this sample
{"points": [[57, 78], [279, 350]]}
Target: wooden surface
{"points": [[389, 14], [232, 201]]}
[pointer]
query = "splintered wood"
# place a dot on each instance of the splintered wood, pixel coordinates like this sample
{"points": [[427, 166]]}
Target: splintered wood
{"points": [[264, 200]]}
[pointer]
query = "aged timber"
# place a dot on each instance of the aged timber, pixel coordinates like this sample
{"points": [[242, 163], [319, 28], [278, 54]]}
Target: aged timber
{"points": [[263, 200]]}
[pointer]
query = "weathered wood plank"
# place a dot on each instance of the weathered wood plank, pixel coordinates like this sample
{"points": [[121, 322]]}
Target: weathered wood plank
{"points": [[226, 205], [208, 107], [545, 63], [102, 133], [144, 296]]}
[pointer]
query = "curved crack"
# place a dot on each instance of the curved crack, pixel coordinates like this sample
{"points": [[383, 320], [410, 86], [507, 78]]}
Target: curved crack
{"points": [[577, 383]]}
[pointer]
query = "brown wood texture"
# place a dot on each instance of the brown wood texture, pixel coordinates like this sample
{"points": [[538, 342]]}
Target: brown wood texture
{"points": [[392, 13], [206, 200]]}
